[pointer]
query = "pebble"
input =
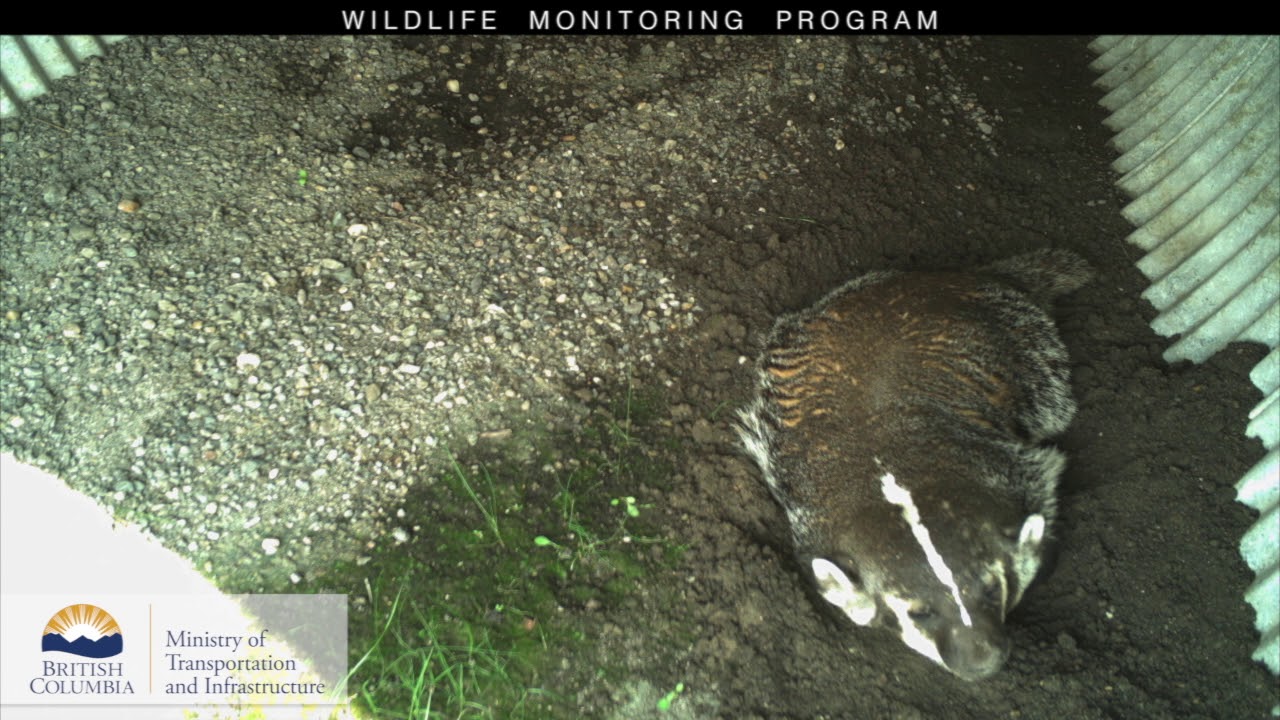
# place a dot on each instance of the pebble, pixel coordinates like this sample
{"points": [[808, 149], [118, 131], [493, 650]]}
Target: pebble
{"points": [[703, 431]]}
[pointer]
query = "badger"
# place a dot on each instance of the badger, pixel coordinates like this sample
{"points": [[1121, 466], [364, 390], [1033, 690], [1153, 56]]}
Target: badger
{"points": [[901, 423]]}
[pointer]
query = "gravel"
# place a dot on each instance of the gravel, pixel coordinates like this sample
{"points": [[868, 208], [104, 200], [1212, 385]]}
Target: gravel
{"points": [[255, 289]]}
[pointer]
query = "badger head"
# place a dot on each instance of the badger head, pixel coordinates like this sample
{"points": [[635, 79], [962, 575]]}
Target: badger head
{"points": [[943, 571]]}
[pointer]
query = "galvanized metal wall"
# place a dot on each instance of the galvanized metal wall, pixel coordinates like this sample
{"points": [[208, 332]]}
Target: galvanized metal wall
{"points": [[29, 64], [1197, 122]]}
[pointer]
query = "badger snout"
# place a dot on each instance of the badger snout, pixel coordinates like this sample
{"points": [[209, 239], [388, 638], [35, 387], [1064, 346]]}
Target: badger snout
{"points": [[974, 653], [972, 646]]}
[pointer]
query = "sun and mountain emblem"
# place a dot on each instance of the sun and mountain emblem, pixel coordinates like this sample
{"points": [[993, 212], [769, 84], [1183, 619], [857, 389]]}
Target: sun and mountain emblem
{"points": [[84, 630]]}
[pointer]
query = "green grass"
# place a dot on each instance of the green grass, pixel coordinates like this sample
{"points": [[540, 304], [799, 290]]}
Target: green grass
{"points": [[487, 509], [468, 619], [428, 662]]}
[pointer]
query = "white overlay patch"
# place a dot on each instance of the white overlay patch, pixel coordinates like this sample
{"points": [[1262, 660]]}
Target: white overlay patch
{"points": [[900, 496]]}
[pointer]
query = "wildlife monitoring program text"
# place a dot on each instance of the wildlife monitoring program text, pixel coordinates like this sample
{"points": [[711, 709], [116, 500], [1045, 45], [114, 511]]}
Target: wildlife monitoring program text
{"points": [[665, 21]]}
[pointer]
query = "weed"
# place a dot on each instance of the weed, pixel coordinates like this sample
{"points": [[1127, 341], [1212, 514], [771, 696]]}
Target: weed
{"points": [[714, 415], [429, 659], [489, 512], [466, 622], [664, 704], [621, 428], [629, 504]]}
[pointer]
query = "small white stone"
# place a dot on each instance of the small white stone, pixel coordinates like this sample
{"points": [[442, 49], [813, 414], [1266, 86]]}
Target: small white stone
{"points": [[270, 545], [247, 360], [409, 369], [357, 229]]}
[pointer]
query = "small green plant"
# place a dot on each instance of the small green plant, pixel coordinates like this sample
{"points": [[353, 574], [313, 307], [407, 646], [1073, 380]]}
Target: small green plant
{"points": [[629, 504], [634, 411], [489, 511], [664, 703], [715, 411], [302, 178], [544, 541]]}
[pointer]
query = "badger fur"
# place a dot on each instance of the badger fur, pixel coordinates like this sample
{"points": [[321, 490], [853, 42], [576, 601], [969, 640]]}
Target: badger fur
{"points": [[900, 423]]}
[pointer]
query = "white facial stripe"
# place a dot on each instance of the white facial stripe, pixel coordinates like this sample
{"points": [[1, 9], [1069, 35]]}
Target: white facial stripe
{"points": [[913, 636], [900, 496]]}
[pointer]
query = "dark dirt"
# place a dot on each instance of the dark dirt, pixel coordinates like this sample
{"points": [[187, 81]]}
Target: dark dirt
{"points": [[1142, 617]]}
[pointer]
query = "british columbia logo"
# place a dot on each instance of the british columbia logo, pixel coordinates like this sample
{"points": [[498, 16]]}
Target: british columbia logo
{"points": [[84, 630]]}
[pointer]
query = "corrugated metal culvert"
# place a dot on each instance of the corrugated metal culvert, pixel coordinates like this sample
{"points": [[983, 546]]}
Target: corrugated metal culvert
{"points": [[30, 63], [1197, 120]]}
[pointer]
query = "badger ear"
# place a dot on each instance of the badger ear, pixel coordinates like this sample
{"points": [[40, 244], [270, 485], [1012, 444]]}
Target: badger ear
{"points": [[1029, 534], [1032, 533], [1028, 554], [839, 590]]}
